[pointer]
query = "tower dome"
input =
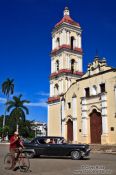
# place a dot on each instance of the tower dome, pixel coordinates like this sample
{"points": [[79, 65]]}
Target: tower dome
{"points": [[67, 19]]}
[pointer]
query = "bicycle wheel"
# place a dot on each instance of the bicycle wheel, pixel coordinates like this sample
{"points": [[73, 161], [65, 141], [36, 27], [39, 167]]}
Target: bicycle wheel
{"points": [[8, 161], [24, 163]]}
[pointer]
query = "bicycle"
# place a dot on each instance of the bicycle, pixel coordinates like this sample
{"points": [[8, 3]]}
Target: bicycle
{"points": [[22, 160]]}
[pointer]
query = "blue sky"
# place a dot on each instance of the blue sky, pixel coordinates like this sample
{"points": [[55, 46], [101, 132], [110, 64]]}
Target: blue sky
{"points": [[25, 43]]}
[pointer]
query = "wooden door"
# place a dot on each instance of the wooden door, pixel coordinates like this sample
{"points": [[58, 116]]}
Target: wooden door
{"points": [[70, 130], [95, 127]]}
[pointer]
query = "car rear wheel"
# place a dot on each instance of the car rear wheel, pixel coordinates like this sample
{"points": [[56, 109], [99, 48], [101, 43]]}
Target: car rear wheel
{"points": [[75, 155]]}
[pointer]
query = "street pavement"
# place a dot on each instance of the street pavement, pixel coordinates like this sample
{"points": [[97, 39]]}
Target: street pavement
{"points": [[98, 164]]}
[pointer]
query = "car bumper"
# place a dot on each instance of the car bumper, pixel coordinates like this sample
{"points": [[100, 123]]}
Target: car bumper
{"points": [[28, 150], [87, 153]]}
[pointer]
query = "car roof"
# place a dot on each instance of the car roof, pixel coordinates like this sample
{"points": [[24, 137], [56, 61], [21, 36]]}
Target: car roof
{"points": [[47, 137]]}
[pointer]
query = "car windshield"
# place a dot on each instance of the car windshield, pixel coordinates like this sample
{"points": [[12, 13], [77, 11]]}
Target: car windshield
{"points": [[61, 141], [42, 141], [49, 140]]}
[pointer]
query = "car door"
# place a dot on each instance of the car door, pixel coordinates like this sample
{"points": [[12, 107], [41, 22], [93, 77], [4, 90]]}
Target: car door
{"points": [[40, 147], [56, 149]]}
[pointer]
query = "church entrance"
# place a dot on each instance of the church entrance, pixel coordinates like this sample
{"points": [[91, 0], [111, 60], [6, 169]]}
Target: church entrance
{"points": [[95, 127], [69, 130]]}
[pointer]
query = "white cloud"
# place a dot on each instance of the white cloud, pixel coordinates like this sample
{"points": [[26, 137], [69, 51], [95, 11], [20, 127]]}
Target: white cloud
{"points": [[2, 100], [37, 104], [43, 93], [41, 103]]}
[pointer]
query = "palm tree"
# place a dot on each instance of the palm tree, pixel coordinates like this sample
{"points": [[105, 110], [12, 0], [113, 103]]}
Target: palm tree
{"points": [[7, 89], [17, 108]]}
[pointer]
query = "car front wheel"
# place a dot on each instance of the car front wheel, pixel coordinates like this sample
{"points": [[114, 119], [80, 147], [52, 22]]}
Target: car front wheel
{"points": [[30, 154], [75, 155]]}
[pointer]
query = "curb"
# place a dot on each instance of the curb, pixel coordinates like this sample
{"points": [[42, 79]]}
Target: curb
{"points": [[4, 143], [104, 152]]}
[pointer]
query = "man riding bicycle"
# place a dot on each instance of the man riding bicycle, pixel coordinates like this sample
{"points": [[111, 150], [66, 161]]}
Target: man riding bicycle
{"points": [[15, 146]]}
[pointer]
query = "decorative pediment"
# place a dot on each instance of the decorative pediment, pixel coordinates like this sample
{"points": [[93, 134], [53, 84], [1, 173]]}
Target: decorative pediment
{"points": [[98, 66]]}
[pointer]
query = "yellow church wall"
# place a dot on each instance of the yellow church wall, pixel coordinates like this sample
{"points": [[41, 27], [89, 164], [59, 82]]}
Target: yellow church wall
{"points": [[105, 78], [54, 120], [111, 103], [78, 89]]}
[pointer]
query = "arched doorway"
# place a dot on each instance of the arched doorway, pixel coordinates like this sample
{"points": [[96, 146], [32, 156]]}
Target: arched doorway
{"points": [[95, 127], [69, 130]]}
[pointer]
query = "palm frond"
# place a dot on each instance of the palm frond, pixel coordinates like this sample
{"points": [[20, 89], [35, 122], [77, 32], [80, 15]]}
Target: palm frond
{"points": [[8, 86], [17, 107], [26, 109], [25, 101], [8, 108]]}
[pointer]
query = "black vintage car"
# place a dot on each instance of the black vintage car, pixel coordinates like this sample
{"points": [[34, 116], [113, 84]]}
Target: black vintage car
{"points": [[55, 146]]}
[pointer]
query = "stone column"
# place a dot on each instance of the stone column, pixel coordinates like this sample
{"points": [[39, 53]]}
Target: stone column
{"points": [[104, 137], [76, 66], [62, 86], [84, 125], [84, 117], [48, 122], [50, 89], [98, 89], [68, 38], [52, 66], [61, 63], [62, 117], [76, 42], [69, 83], [115, 98], [64, 36], [68, 62], [74, 113], [79, 40], [61, 38], [65, 84], [53, 43], [104, 114]]}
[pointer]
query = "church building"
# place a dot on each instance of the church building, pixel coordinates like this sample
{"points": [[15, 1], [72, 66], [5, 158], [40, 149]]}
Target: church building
{"points": [[81, 106]]}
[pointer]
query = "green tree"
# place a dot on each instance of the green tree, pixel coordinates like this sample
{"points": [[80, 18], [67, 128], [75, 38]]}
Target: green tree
{"points": [[1, 120], [25, 129], [1, 132], [17, 109], [7, 89]]}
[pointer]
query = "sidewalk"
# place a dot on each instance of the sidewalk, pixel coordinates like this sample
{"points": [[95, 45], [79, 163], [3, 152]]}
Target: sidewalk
{"points": [[4, 142], [105, 149], [104, 152]]}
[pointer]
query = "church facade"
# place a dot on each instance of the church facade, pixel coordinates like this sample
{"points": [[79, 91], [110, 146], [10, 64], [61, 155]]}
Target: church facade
{"points": [[81, 106]]}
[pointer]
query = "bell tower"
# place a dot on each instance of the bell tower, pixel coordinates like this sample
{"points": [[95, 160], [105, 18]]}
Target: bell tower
{"points": [[66, 68], [66, 55]]}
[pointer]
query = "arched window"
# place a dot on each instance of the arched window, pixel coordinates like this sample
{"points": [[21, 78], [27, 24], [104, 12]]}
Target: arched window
{"points": [[58, 42], [72, 42], [57, 65], [56, 89], [72, 65]]}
